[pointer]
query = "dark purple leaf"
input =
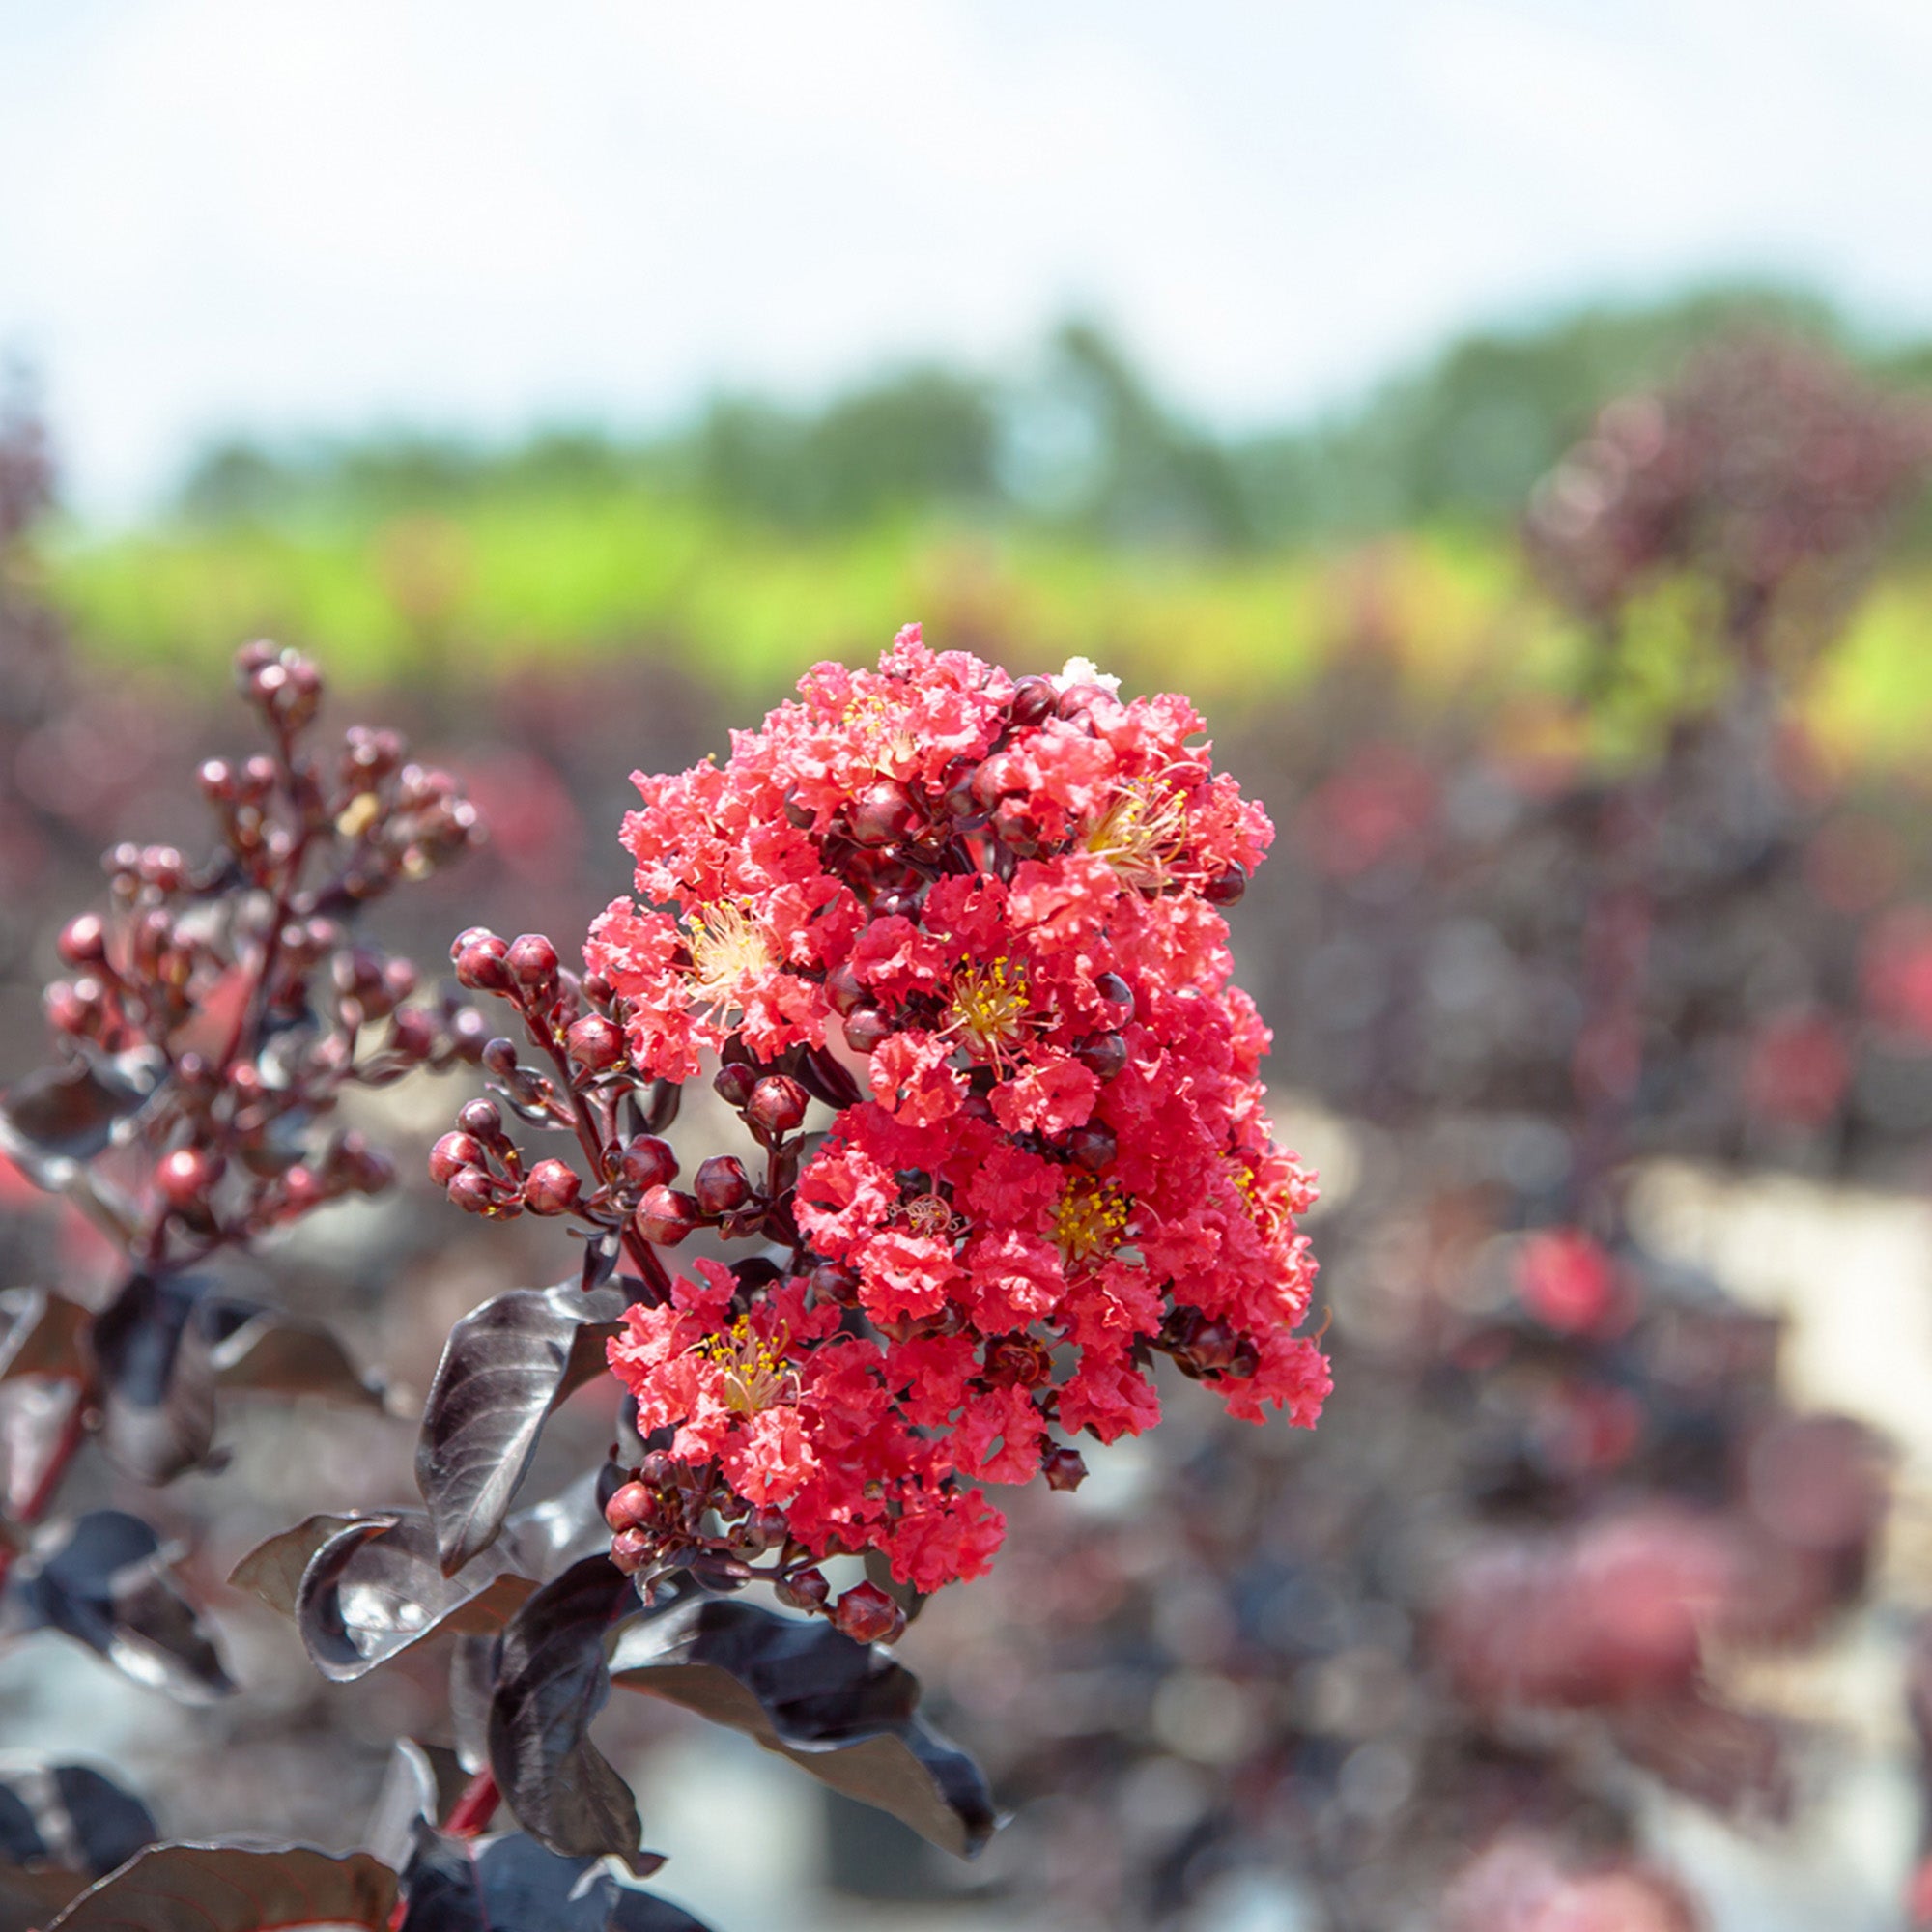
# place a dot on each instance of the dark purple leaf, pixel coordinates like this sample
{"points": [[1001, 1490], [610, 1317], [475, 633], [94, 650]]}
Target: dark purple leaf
{"points": [[70, 1816], [511, 1881], [505, 1367], [42, 1335], [54, 1121], [156, 1366], [222, 1889], [273, 1570], [104, 1579], [844, 1711], [551, 1682], [273, 1353], [375, 1588]]}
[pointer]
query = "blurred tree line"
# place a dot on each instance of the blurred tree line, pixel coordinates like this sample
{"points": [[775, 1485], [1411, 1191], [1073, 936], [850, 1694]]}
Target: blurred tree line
{"points": [[1079, 442]]}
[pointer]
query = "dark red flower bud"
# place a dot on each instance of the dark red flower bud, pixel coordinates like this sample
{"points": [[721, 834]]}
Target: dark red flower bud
{"points": [[834, 1284], [451, 1154], [646, 1162], [776, 1106], [216, 778], [481, 965], [534, 964], [868, 1615], [553, 1188], [632, 1506], [1034, 700], [481, 1119], [186, 1176], [1228, 888], [882, 815], [68, 1009], [595, 1043], [499, 1057], [764, 1528], [412, 1033], [721, 1185], [734, 1083], [865, 1029], [301, 1189], [1091, 1146], [665, 1216], [657, 1468], [1063, 1468], [1116, 991], [1077, 699], [844, 991], [804, 1590], [473, 1191], [631, 1549], [1102, 1054], [83, 941], [1017, 1359]]}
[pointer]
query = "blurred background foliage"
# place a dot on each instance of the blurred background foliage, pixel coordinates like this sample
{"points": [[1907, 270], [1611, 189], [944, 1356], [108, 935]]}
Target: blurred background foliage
{"points": [[1064, 501]]}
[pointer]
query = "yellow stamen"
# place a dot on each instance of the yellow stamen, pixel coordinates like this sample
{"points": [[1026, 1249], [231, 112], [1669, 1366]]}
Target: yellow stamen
{"points": [[1089, 1220], [1142, 833], [758, 1376], [988, 1007], [883, 731], [728, 947]]}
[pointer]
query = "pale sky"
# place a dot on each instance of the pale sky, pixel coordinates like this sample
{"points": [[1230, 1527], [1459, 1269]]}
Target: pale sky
{"points": [[320, 214]]}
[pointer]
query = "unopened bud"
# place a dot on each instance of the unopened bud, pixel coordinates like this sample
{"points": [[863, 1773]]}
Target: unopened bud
{"points": [[721, 1185], [452, 1155], [595, 1043], [665, 1216], [776, 1106], [553, 1188], [868, 1615]]}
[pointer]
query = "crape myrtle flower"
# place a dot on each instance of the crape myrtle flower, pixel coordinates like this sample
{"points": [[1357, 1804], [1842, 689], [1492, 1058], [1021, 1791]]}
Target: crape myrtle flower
{"points": [[998, 901]]}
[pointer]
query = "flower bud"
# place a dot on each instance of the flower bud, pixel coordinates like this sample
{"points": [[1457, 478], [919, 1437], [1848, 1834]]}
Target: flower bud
{"points": [[553, 1188], [804, 1590], [83, 941], [882, 815], [1102, 1054], [473, 1191], [1091, 1146], [499, 1057], [533, 963], [734, 1083], [646, 1162], [632, 1506], [1228, 888], [216, 778], [1062, 1468], [481, 964], [1033, 699], [834, 1284], [482, 1118], [631, 1549], [844, 991], [452, 1155], [665, 1216], [721, 1185], [776, 1106], [868, 1615], [865, 1029], [412, 1034], [595, 1043], [1116, 991]]}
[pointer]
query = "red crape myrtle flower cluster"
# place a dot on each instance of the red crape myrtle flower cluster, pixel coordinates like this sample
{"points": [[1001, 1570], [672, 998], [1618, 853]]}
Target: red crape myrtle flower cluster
{"points": [[1005, 896]]}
